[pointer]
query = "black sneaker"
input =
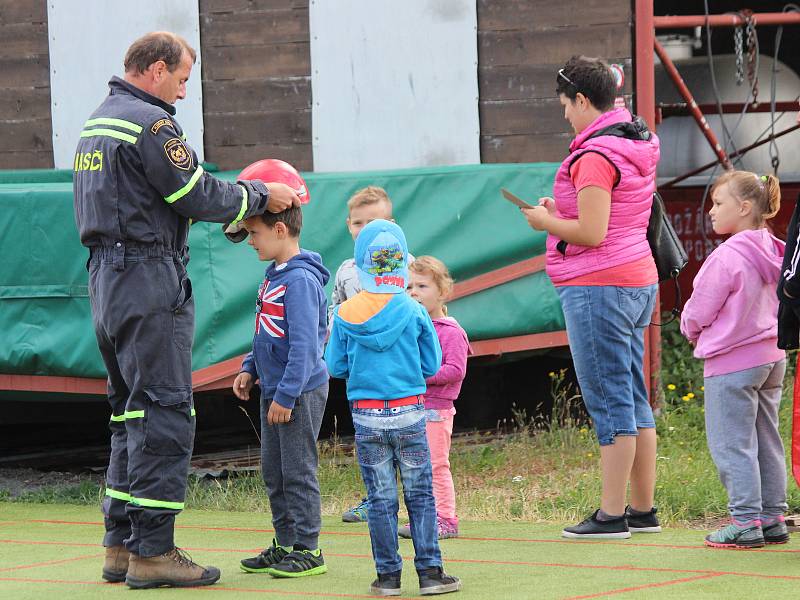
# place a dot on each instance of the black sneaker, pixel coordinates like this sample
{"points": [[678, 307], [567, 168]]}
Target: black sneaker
{"points": [[593, 528], [268, 558], [643, 523], [387, 584], [436, 581], [300, 563]]}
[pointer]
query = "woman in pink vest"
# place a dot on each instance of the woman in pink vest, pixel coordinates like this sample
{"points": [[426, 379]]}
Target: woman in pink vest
{"points": [[601, 264]]}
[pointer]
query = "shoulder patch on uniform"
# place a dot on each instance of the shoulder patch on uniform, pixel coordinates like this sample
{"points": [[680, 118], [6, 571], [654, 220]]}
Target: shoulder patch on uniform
{"points": [[178, 154], [161, 123]]}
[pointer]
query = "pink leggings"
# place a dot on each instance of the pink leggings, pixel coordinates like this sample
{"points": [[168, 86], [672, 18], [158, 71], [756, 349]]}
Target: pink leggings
{"points": [[439, 433]]}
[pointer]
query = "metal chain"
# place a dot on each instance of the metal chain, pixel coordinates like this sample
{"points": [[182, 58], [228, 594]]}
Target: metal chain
{"points": [[752, 44], [738, 50]]}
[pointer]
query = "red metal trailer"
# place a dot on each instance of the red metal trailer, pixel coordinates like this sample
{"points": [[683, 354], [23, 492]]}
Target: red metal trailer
{"points": [[687, 203]]}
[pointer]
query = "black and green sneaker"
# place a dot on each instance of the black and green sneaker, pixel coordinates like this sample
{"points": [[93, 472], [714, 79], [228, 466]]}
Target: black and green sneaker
{"points": [[268, 558], [300, 563]]}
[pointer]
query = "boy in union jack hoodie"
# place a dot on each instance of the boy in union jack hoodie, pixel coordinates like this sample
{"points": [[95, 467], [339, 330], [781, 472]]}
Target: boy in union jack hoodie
{"points": [[290, 331]]}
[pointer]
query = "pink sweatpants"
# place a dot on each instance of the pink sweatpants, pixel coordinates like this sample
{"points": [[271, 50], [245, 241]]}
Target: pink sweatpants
{"points": [[439, 434]]}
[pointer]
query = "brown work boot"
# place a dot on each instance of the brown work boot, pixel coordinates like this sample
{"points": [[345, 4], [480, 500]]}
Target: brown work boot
{"points": [[116, 565], [172, 569]]}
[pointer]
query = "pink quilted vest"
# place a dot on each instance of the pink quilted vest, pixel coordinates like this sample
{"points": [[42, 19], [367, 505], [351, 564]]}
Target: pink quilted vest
{"points": [[631, 199]]}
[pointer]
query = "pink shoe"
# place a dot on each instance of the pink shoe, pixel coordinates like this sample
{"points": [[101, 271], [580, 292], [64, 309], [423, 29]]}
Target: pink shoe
{"points": [[447, 528]]}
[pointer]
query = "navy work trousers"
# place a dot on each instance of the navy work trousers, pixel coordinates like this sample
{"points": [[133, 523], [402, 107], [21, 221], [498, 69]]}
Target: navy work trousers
{"points": [[143, 314]]}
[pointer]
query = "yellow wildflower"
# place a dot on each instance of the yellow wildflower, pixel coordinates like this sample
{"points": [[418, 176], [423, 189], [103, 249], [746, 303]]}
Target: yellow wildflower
{"points": [[671, 386], [690, 395]]}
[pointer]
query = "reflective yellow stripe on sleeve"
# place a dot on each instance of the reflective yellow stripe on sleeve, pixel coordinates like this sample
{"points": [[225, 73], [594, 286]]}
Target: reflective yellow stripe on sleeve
{"points": [[243, 208], [115, 122], [187, 188], [108, 133]]}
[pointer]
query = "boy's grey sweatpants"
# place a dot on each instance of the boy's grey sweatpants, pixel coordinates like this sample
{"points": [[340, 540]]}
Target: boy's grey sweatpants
{"points": [[289, 463], [742, 430]]}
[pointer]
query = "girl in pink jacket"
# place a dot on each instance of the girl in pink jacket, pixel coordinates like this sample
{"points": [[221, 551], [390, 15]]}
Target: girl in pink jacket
{"points": [[731, 320], [430, 284]]}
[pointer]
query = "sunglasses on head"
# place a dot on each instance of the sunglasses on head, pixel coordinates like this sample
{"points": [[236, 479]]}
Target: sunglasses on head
{"points": [[568, 80]]}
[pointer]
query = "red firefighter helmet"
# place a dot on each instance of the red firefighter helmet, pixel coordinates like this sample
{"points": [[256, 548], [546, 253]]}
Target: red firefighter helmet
{"points": [[275, 170]]}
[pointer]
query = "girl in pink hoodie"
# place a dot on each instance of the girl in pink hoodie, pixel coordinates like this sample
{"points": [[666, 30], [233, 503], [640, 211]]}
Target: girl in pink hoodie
{"points": [[430, 284], [731, 320]]}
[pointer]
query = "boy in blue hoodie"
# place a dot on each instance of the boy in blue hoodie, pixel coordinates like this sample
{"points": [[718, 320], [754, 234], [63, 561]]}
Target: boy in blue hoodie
{"points": [[290, 331], [384, 344]]}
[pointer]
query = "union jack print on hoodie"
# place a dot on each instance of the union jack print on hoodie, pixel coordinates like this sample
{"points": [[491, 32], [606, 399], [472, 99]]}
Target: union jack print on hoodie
{"points": [[290, 329]]}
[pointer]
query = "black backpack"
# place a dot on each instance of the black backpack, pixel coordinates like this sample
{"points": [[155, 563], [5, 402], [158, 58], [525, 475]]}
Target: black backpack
{"points": [[668, 252]]}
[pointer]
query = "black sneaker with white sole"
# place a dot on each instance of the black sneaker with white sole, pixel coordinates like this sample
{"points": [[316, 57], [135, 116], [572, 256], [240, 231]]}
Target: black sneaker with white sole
{"points": [[594, 528], [387, 584], [435, 581], [639, 522]]}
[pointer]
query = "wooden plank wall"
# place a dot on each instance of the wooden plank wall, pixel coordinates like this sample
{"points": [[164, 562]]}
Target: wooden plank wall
{"points": [[26, 137], [256, 81], [257, 77], [521, 46]]}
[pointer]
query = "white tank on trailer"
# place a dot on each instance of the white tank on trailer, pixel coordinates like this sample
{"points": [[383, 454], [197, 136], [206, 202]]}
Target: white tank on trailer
{"points": [[683, 146]]}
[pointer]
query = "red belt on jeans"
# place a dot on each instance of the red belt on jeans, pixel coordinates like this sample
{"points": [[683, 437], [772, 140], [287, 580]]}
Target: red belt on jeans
{"points": [[407, 401]]}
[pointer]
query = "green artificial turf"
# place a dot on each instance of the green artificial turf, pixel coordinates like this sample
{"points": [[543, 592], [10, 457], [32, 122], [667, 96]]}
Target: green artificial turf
{"points": [[494, 560]]}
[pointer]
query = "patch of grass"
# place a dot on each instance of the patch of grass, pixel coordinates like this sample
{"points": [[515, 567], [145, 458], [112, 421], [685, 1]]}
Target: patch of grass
{"points": [[84, 492], [673, 565]]}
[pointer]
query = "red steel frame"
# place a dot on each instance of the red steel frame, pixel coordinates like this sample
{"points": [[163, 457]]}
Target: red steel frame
{"points": [[645, 44], [683, 90], [645, 84]]}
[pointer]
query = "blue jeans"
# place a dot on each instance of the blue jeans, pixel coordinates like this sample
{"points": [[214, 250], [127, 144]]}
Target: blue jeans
{"points": [[381, 452], [605, 327]]}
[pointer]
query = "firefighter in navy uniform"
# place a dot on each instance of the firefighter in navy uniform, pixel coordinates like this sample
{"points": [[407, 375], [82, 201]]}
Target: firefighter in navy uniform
{"points": [[137, 185]]}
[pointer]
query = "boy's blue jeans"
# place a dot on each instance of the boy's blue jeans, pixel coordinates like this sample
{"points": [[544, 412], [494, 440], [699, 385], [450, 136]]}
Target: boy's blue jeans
{"points": [[381, 452]]}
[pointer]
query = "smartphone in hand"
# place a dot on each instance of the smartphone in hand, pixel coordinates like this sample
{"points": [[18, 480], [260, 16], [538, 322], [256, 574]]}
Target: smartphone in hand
{"points": [[514, 199]]}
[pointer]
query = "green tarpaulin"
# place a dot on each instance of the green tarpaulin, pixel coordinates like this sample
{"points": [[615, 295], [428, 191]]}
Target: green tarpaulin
{"points": [[453, 213]]}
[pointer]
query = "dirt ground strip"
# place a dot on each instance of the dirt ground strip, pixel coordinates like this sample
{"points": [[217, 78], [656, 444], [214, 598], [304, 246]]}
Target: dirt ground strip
{"points": [[15, 482]]}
